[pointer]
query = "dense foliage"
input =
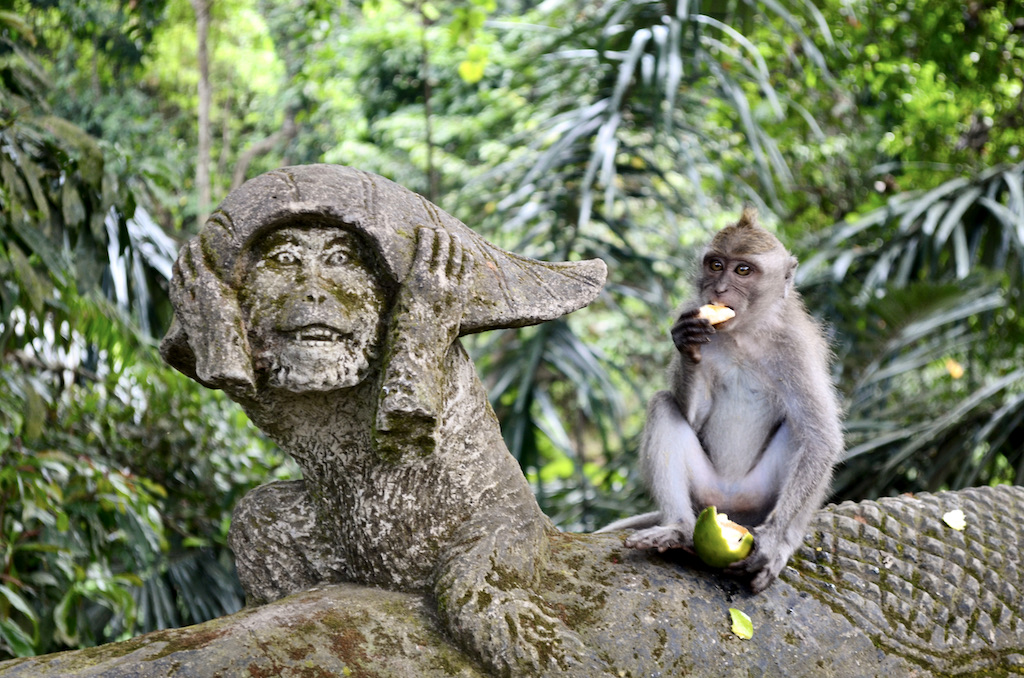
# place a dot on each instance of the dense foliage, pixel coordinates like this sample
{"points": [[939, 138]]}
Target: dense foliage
{"points": [[882, 141]]}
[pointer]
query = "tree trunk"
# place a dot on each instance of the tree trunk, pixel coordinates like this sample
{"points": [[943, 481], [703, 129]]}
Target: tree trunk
{"points": [[287, 132], [202, 10]]}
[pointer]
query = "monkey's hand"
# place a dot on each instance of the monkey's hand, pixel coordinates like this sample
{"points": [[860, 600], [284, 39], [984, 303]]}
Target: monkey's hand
{"points": [[208, 311], [662, 537], [436, 289], [428, 314], [690, 332], [764, 564]]}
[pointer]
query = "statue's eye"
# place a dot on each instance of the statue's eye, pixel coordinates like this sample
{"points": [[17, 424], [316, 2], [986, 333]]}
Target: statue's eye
{"points": [[336, 257], [743, 269], [716, 265], [284, 256]]}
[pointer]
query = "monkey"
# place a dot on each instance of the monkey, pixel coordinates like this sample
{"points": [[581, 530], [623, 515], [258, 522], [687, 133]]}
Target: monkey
{"points": [[751, 422]]}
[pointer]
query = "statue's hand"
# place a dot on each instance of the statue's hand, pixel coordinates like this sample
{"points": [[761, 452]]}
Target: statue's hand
{"points": [[209, 313], [428, 314], [434, 294]]}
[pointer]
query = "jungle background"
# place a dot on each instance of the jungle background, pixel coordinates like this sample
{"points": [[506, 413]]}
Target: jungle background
{"points": [[881, 140]]}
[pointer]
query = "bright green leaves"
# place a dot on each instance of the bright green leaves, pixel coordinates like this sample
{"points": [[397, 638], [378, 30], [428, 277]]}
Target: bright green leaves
{"points": [[472, 69], [66, 523], [19, 624], [466, 28]]}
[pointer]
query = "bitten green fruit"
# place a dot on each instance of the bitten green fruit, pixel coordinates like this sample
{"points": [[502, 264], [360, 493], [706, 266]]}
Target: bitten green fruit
{"points": [[719, 541]]}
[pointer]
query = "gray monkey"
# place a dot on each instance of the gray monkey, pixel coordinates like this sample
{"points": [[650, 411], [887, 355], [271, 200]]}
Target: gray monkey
{"points": [[751, 423]]}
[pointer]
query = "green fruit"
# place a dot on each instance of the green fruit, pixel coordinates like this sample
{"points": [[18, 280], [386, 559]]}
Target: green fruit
{"points": [[719, 541]]}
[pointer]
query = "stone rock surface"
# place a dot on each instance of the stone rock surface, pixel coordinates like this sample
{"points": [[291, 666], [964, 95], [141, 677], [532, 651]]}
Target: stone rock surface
{"points": [[878, 589]]}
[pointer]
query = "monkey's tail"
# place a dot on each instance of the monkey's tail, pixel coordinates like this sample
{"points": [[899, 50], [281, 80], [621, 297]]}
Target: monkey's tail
{"points": [[642, 521]]}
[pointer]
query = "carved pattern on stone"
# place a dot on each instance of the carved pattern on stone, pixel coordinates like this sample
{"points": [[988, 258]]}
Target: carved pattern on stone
{"points": [[941, 598]]}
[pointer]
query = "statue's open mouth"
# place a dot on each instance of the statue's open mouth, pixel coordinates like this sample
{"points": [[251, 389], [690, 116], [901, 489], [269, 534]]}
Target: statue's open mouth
{"points": [[318, 334]]}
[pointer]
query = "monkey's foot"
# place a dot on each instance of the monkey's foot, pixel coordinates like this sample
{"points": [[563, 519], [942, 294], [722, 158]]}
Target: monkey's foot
{"points": [[662, 537], [764, 564]]}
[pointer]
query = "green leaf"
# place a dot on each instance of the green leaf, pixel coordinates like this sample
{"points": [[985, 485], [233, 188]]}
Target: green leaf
{"points": [[430, 11], [18, 602], [90, 156], [18, 23], [472, 72], [52, 257], [32, 173], [31, 286], [71, 205], [741, 624], [35, 414], [20, 642]]}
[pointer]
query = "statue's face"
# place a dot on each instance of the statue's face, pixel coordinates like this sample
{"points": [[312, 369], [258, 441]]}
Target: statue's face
{"points": [[314, 308]]}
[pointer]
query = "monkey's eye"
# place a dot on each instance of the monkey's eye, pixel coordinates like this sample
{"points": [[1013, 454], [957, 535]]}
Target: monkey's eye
{"points": [[744, 269], [284, 255], [716, 265], [336, 257]]}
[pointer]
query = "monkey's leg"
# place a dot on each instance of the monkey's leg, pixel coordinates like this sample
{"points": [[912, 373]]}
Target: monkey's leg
{"points": [[678, 471], [752, 498], [486, 596], [279, 548], [782, 530]]}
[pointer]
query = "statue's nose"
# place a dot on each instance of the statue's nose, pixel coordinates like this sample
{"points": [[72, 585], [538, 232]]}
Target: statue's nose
{"points": [[316, 296]]}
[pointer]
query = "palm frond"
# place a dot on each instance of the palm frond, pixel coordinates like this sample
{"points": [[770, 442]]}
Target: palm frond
{"points": [[933, 277]]}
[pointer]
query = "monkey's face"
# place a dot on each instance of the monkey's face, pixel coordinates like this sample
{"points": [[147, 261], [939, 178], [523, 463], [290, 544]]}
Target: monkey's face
{"points": [[748, 284], [314, 308]]}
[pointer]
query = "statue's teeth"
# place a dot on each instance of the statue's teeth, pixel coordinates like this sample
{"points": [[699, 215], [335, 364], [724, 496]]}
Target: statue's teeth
{"points": [[318, 334]]}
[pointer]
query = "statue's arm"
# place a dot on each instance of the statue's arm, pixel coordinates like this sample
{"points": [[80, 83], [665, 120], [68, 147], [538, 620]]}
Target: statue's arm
{"points": [[208, 342], [426, 320]]}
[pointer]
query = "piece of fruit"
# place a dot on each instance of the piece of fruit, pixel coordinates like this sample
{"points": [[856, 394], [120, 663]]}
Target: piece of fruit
{"points": [[742, 626], [719, 541], [716, 313]]}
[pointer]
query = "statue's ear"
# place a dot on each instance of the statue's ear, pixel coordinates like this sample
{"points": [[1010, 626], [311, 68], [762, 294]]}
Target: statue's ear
{"points": [[207, 340]]}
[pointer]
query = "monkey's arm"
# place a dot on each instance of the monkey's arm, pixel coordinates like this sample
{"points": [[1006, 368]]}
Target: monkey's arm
{"points": [[800, 458], [209, 332], [427, 316]]}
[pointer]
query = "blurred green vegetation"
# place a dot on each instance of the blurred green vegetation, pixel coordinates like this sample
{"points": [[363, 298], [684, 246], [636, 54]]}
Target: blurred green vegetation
{"points": [[882, 141]]}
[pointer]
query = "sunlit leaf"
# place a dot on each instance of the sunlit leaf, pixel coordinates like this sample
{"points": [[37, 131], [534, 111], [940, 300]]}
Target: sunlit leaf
{"points": [[955, 519], [472, 71]]}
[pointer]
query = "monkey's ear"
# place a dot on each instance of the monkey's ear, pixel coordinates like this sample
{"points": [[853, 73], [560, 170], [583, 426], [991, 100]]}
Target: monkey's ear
{"points": [[791, 267]]}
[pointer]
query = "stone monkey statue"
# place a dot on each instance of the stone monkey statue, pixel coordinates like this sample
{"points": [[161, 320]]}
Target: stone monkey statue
{"points": [[328, 302], [751, 421]]}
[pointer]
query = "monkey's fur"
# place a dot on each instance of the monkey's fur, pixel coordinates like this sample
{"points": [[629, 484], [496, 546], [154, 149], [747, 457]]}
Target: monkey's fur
{"points": [[751, 423]]}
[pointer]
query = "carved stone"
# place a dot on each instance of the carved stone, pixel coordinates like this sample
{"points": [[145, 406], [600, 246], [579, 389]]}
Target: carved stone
{"points": [[879, 589], [328, 302]]}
